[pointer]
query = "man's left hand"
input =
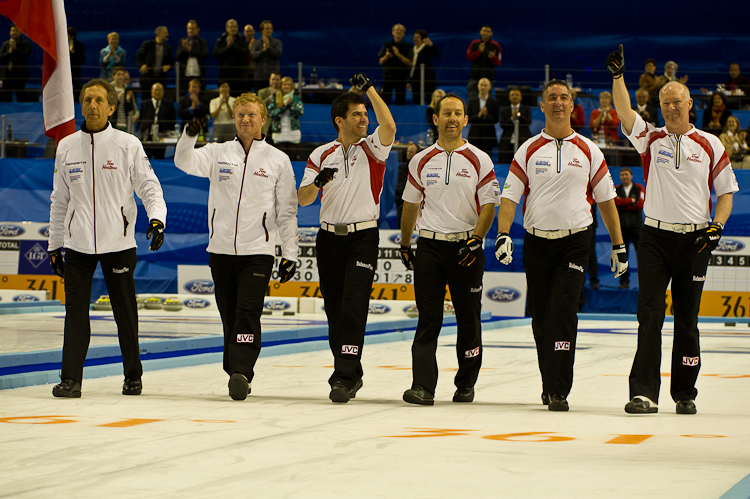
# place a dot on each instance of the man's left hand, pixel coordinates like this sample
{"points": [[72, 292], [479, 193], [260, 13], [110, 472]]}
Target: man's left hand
{"points": [[156, 229], [361, 82], [287, 269], [616, 62], [618, 260], [470, 251], [710, 239]]}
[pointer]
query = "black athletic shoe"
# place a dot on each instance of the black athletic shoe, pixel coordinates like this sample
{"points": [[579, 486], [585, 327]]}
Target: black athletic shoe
{"points": [[641, 405], [357, 386], [132, 386], [686, 407], [464, 395], [67, 387], [419, 395], [558, 403], [545, 398], [238, 386], [340, 393]]}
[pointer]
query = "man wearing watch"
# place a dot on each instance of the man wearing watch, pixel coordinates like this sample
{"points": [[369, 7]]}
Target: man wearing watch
{"points": [[450, 195], [680, 166]]}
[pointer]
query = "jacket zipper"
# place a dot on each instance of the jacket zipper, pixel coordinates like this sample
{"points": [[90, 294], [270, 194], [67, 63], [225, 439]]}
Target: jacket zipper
{"points": [[239, 202], [448, 167], [346, 162], [71, 223], [125, 222], [559, 144], [264, 225], [93, 180], [213, 215], [678, 139]]}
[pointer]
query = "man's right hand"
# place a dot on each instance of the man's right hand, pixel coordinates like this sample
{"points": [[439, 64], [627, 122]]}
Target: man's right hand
{"points": [[504, 248], [325, 176], [56, 260], [407, 257], [616, 62], [195, 126]]}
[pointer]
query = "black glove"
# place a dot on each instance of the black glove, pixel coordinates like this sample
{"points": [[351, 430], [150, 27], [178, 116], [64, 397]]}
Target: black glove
{"points": [[56, 260], [361, 82], [618, 260], [287, 269], [469, 252], [195, 126], [504, 248], [407, 257], [325, 176], [155, 228], [710, 239], [616, 63]]}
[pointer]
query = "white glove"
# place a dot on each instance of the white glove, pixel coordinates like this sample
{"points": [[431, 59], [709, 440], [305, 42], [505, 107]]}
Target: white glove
{"points": [[618, 260], [504, 248]]}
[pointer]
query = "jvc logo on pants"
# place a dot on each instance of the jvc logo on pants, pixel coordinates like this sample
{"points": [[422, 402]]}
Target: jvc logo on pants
{"points": [[245, 338], [690, 361], [349, 349], [562, 345], [471, 353]]}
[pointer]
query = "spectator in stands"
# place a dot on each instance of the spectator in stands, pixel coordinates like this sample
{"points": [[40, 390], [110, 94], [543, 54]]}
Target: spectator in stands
{"points": [[192, 105], [221, 109], [77, 59], [192, 53], [393, 57], [249, 32], [734, 141], [652, 83], [266, 94], [157, 118], [715, 116], [437, 96], [134, 114], [403, 174], [422, 53], [577, 117], [231, 52], [508, 115], [154, 59], [605, 118], [629, 202], [125, 100], [112, 55], [485, 55], [14, 55], [266, 54], [483, 112], [284, 112], [737, 82], [644, 108], [670, 73]]}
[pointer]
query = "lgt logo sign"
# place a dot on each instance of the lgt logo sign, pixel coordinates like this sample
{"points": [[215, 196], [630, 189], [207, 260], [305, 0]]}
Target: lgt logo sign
{"points": [[690, 361], [349, 349], [36, 255], [562, 345], [245, 338]]}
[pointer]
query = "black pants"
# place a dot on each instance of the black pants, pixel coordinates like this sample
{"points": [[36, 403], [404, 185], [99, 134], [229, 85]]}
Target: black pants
{"points": [[555, 275], [240, 283], [118, 269], [435, 263], [346, 266], [593, 260], [630, 234], [399, 85], [665, 255]]}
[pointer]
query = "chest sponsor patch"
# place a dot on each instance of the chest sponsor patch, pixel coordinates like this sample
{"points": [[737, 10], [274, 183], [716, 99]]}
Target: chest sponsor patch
{"points": [[433, 175], [463, 173], [431, 182], [109, 165], [261, 173], [694, 158], [575, 162]]}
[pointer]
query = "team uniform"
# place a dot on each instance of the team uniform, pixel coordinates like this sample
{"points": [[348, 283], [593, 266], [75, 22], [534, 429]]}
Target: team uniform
{"points": [[679, 173], [347, 244], [559, 179], [251, 198], [451, 186], [93, 215]]}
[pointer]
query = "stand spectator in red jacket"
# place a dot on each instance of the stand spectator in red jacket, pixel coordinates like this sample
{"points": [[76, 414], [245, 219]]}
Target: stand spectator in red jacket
{"points": [[629, 202], [605, 118], [485, 55], [577, 118], [715, 116]]}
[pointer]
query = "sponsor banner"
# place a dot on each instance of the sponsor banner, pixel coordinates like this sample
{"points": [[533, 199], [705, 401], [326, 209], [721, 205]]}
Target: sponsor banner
{"points": [[719, 304], [279, 304], [33, 258], [195, 280], [312, 290], [24, 231], [52, 287], [504, 293], [20, 295]]}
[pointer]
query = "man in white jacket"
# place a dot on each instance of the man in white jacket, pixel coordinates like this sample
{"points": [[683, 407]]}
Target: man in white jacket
{"points": [[252, 197], [92, 216]]}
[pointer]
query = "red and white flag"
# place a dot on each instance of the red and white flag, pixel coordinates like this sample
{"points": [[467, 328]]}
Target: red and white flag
{"points": [[44, 22]]}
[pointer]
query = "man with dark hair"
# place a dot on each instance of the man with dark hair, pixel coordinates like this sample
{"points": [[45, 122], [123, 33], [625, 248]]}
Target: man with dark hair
{"points": [[393, 57], [192, 54], [651, 82], [644, 108], [680, 166], [193, 105], [450, 197], [77, 58], [560, 173], [485, 55], [14, 55], [511, 113], [231, 52], [736, 81], [268, 93], [266, 53], [154, 59], [348, 173], [629, 202], [93, 216]]}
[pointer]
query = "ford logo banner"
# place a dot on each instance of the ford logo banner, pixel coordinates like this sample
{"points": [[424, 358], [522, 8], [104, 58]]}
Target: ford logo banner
{"points": [[307, 236], [44, 231], [196, 303], [729, 245], [379, 309], [396, 238], [25, 298], [276, 305], [8, 230], [200, 287], [503, 294]]}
